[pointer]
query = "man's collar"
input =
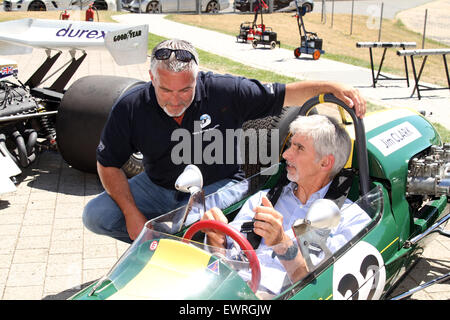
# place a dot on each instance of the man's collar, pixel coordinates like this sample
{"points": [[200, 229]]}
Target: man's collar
{"points": [[320, 194], [200, 92]]}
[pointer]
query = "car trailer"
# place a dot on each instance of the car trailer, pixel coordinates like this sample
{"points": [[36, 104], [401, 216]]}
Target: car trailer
{"points": [[258, 33], [265, 36], [244, 29], [385, 45], [310, 43], [425, 53]]}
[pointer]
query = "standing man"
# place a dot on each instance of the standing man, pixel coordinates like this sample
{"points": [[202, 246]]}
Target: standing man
{"points": [[180, 97]]}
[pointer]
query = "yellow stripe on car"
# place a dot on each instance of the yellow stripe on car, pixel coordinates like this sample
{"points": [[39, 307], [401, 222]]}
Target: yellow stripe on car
{"points": [[167, 274]]}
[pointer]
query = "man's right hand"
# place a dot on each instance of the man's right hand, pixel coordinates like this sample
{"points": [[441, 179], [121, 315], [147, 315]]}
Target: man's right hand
{"points": [[116, 185], [215, 238], [134, 224]]}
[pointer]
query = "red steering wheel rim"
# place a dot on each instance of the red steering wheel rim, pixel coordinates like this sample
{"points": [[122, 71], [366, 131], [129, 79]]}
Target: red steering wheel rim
{"points": [[236, 236]]}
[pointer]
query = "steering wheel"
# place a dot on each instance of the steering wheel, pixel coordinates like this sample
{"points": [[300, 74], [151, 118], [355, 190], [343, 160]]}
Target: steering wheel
{"points": [[236, 236]]}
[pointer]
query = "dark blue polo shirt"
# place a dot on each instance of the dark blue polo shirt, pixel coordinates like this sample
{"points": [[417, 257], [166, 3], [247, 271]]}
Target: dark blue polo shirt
{"points": [[137, 123]]}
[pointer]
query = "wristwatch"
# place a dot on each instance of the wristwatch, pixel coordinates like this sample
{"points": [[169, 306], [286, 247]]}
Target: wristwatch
{"points": [[290, 253]]}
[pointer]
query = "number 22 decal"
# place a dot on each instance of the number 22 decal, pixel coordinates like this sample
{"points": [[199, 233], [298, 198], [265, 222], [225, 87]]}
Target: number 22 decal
{"points": [[359, 274]]}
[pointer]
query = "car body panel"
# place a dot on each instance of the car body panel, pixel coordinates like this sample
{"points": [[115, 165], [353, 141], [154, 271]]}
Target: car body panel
{"points": [[24, 5], [175, 5], [407, 135]]}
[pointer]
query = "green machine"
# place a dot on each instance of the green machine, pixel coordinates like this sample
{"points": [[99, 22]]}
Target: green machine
{"points": [[401, 180]]}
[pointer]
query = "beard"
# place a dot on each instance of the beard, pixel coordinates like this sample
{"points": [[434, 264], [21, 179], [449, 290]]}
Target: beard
{"points": [[174, 115], [293, 177]]}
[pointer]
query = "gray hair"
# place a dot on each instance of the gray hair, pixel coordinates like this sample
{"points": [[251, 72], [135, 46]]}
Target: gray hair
{"points": [[172, 64], [329, 138]]}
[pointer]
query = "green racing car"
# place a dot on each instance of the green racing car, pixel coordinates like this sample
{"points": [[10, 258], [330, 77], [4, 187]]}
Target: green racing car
{"points": [[400, 177]]}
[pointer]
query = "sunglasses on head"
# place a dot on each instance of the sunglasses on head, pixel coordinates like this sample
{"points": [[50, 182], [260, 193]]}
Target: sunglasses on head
{"points": [[180, 54]]}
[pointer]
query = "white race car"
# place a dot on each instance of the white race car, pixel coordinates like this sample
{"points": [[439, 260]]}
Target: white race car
{"points": [[28, 103], [44, 5]]}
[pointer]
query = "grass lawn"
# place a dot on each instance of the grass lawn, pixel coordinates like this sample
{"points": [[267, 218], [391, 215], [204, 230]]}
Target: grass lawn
{"points": [[337, 42], [223, 65]]}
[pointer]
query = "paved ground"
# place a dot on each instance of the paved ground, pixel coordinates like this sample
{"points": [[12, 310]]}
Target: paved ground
{"points": [[45, 251]]}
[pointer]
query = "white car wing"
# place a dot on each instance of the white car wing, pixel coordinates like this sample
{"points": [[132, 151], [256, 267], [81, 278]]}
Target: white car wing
{"points": [[127, 44]]}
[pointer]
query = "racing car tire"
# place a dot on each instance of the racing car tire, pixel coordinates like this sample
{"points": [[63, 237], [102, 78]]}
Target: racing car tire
{"points": [[280, 122], [82, 115]]}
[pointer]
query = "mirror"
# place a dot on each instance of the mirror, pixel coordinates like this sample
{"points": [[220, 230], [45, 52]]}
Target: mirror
{"points": [[323, 214], [190, 181], [313, 231]]}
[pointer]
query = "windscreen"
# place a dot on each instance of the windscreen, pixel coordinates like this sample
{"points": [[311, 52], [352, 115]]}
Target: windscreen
{"points": [[162, 266]]}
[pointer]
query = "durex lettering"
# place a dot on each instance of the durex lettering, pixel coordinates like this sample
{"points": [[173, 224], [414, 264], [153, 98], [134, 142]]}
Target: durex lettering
{"points": [[73, 34], [92, 34], [79, 33], [59, 34]]}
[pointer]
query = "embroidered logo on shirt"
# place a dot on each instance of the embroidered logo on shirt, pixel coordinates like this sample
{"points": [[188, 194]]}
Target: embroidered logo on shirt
{"points": [[205, 120], [270, 87], [101, 146]]}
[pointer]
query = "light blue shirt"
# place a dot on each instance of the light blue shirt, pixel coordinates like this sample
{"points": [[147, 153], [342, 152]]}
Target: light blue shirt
{"points": [[273, 274]]}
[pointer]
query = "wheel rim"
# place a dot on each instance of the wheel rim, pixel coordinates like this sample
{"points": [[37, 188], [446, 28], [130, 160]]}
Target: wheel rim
{"points": [[212, 7], [153, 7], [316, 55], [297, 53]]}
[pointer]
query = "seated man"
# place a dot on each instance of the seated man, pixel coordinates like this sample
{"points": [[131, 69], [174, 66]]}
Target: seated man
{"points": [[319, 148]]}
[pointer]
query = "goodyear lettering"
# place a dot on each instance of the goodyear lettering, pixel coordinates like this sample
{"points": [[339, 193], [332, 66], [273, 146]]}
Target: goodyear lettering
{"points": [[129, 35], [79, 33]]}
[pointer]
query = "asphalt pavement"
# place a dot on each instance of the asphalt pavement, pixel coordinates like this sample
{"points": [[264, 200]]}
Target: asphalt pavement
{"points": [[47, 253]]}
